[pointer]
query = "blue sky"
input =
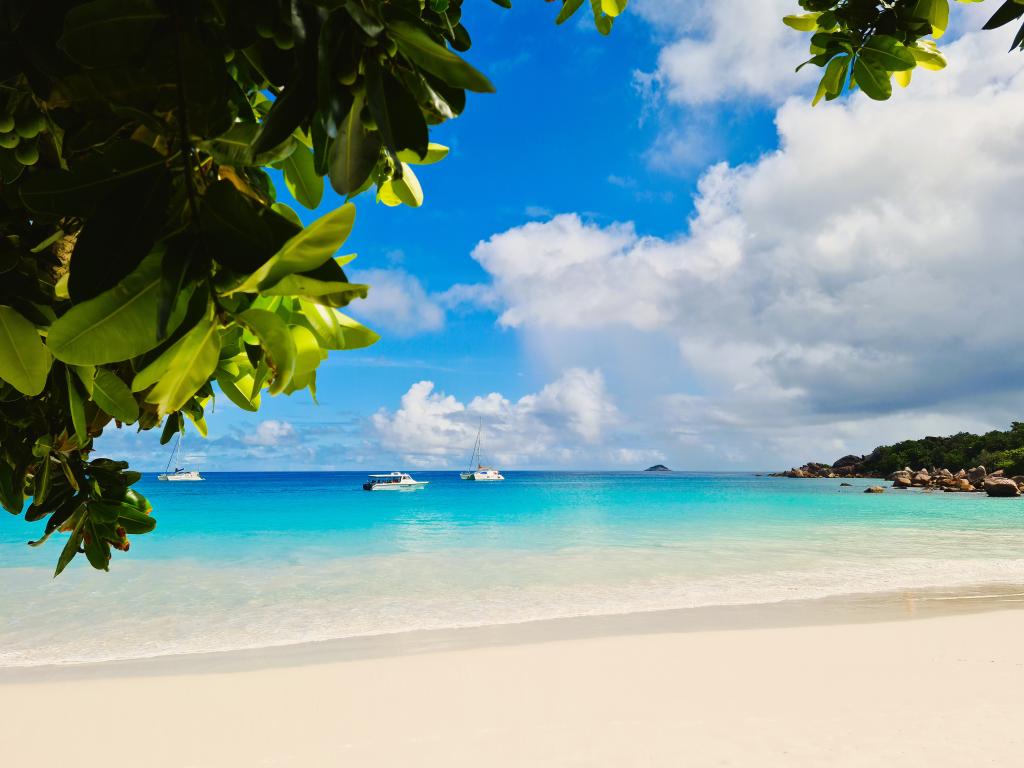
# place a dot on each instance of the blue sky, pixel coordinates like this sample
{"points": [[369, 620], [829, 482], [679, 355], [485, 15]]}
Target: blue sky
{"points": [[648, 247]]}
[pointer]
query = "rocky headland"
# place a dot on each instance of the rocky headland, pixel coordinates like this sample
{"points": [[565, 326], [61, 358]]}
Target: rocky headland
{"points": [[973, 480]]}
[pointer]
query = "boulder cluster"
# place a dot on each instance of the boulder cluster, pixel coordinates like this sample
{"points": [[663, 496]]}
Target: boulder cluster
{"points": [[975, 479], [848, 466]]}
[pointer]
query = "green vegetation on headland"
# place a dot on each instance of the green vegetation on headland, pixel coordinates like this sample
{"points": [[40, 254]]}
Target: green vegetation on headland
{"points": [[964, 461], [995, 450]]}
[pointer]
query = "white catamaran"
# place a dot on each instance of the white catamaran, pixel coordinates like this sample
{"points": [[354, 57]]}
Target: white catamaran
{"points": [[180, 473], [477, 471]]}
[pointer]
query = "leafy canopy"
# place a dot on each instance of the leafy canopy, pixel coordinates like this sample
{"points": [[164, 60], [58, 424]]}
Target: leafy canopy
{"points": [[994, 450], [146, 263], [867, 44]]}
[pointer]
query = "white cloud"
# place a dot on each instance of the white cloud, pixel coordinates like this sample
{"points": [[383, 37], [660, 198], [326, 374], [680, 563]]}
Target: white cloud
{"points": [[474, 295], [727, 49], [270, 432], [562, 424], [871, 266], [397, 303]]}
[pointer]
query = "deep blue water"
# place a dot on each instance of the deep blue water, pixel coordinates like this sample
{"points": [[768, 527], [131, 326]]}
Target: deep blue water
{"points": [[246, 560]]}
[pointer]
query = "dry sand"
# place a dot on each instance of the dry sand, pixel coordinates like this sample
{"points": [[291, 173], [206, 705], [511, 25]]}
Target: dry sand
{"points": [[933, 692]]}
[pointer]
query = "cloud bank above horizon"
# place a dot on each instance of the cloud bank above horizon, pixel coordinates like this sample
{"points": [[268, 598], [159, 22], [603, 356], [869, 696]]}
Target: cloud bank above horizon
{"points": [[854, 285]]}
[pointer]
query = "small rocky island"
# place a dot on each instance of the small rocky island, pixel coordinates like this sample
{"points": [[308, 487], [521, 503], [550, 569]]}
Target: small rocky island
{"points": [[658, 468]]}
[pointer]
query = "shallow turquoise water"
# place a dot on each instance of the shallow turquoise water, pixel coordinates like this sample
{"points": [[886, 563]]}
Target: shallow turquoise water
{"points": [[247, 560]]}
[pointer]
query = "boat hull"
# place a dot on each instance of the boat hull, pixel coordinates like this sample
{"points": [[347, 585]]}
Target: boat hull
{"points": [[492, 476], [394, 486], [184, 477]]}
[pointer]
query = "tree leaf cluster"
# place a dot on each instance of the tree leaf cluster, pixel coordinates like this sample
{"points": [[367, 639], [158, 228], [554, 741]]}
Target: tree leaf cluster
{"points": [[146, 264], [868, 44]]}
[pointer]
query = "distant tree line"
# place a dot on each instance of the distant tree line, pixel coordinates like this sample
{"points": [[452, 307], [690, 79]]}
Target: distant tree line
{"points": [[995, 450]]}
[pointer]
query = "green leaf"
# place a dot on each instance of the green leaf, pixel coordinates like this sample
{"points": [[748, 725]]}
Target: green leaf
{"points": [[323, 322], [435, 153], [87, 375], [76, 406], [74, 540], [287, 212], [119, 324], [601, 21], [310, 248], [112, 395], [938, 17], [184, 367], [96, 549], [418, 46], [569, 7], [134, 520], [301, 179], [307, 350], [927, 55], [353, 154], [407, 188], [889, 53], [872, 78], [398, 116], [1009, 11], [330, 293], [236, 390], [12, 488], [356, 334], [834, 79], [290, 109], [802, 22], [24, 359], [235, 148], [277, 341]]}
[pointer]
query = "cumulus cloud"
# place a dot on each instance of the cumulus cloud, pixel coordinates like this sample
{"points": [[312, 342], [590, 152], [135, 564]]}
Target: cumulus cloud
{"points": [[870, 266], [471, 295], [398, 303], [724, 49], [562, 424], [270, 432]]}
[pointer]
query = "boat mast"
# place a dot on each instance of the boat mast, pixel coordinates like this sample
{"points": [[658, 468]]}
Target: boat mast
{"points": [[174, 453], [474, 459]]}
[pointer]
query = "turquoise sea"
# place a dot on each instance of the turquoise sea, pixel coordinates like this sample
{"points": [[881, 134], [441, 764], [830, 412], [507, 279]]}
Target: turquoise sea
{"points": [[254, 560]]}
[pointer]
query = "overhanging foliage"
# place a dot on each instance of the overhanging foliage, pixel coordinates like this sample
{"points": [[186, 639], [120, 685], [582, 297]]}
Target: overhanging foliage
{"points": [[145, 263], [867, 44]]}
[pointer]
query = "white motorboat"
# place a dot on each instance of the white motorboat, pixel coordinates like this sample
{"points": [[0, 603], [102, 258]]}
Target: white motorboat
{"points": [[480, 473], [394, 481], [180, 474]]}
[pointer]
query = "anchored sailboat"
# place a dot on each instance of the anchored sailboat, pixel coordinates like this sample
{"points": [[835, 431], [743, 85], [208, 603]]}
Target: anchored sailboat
{"points": [[477, 471], [180, 473]]}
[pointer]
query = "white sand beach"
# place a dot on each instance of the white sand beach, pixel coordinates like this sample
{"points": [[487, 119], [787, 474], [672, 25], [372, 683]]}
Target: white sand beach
{"points": [[929, 692]]}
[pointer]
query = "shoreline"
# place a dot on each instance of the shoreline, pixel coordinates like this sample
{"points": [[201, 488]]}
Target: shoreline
{"points": [[834, 610]]}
